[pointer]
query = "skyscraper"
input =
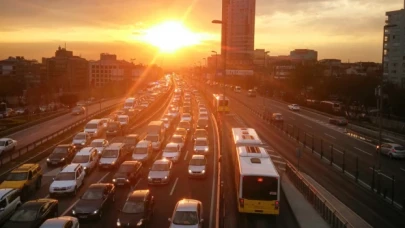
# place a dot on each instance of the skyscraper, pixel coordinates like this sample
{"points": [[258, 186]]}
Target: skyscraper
{"points": [[239, 30]]}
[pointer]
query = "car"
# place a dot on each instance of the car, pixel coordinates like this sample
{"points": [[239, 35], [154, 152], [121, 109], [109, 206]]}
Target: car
{"points": [[78, 110], [200, 133], [340, 121], [124, 120], [169, 117], [81, 139], [294, 107], [185, 124], [7, 145], [105, 122], [180, 140], [251, 93], [112, 156], [188, 110], [203, 116], [130, 142], [61, 222], [277, 118], [174, 112], [88, 158], [128, 173], [166, 122], [181, 131], [33, 213], [96, 199], [9, 202], [95, 128], [187, 213], [68, 181], [197, 166], [99, 144], [201, 146], [172, 152], [186, 117], [137, 210], [156, 141], [202, 123], [143, 151], [26, 178], [160, 172], [203, 111], [114, 128], [392, 150], [61, 154]]}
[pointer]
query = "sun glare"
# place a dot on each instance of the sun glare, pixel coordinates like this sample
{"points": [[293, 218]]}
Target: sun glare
{"points": [[170, 36]]}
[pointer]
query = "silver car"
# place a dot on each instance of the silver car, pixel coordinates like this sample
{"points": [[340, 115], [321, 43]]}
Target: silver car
{"points": [[99, 144], [392, 150], [180, 140], [197, 167], [172, 152], [61, 222], [160, 173], [201, 146], [187, 213]]}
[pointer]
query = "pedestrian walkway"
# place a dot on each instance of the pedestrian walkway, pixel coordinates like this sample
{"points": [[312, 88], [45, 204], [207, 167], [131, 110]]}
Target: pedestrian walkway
{"points": [[347, 213], [305, 214]]}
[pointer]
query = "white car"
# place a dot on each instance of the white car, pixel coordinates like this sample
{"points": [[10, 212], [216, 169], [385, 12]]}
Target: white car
{"points": [[61, 222], [197, 167], [172, 152], [68, 181], [186, 117], [9, 202], [155, 140], [185, 124], [201, 146], [174, 112], [7, 145], [87, 157], [203, 116], [123, 119], [181, 131], [99, 144], [81, 139], [294, 107], [161, 172], [203, 111], [187, 213], [166, 122], [178, 139]]}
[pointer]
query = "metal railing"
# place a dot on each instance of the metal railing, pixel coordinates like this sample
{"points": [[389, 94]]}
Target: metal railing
{"points": [[320, 204]]}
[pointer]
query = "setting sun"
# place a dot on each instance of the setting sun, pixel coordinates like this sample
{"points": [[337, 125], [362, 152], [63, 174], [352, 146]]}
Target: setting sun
{"points": [[171, 36]]}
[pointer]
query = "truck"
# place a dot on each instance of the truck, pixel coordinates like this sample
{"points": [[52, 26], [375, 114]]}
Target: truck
{"points": [[130, 103], [155, 133]]}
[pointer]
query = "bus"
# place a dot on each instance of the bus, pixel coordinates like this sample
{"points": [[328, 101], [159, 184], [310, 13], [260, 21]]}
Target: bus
{"points": [[330, 106], [130, 103], [220, 103], [257, 181]]}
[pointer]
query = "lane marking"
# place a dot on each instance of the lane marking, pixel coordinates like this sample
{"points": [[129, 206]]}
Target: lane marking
{"points": [[174, 186], [216, 176], [330, 136], [134, 187], [308, 125], [71, 206], [402, 169], [363, 151], [279, 162], [334, 149], [185, 156], [380, 173], [275, 156]]}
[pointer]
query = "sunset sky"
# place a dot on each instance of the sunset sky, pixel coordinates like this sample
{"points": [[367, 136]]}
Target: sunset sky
{"points": [[344, 29]]}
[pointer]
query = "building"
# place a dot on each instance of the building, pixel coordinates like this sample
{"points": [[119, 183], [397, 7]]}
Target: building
{"points": [[238, 32], [66, 72], [394, 48], [109, 69], [21, 69], [281, 67], [260, 57], [304, 56]]}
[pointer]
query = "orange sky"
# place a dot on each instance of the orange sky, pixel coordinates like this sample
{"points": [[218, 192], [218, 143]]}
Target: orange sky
{"points": [[345, 29]]}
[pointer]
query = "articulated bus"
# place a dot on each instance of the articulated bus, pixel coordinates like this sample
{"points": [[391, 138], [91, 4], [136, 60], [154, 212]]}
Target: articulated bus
{"points": [[257, 181], [220, 103]]}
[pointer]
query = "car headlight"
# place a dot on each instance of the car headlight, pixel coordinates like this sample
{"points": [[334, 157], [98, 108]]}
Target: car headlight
{"points": [[95, 212], [114, 180], [165, 177], [189, 171], [127, 180], [118, 222], [62, 159], [203, 171], [95, 132], [83, 143], [140, 222], [73, 212], [206, 149], [112, 163], [149, 178], [46, 159]]}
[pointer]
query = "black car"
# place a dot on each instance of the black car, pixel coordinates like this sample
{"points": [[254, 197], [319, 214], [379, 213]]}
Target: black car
{"points": [[62, 154], [114, 128], [130, 142], [340, 121], [128, 173], [33, 213], [96, 199], [137, 210]]}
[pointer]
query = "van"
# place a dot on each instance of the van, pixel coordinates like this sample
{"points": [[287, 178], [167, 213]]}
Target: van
{"points": [[94, 128], [156, 134], [237, 89], [143, 151], [112, 156], [87, 157]]}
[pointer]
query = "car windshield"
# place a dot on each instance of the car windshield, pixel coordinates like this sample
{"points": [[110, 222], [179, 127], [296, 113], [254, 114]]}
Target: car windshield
{"points": [[200, 134], [60, 150], [160, 167], [185, 218], [93, 194], [80, 159], [91, 126], [130, 140], [201, 143], [65, 176], [186, 116], [141, 150], [152, 138], [203, 115], [133, 207], [96, 144], [125, 168], [17, 176], [110, 154], [123, 119], [80, 136], [2, 143], [24, 215], [197, 162], [180, 132], [177, 140], [170, 149]]}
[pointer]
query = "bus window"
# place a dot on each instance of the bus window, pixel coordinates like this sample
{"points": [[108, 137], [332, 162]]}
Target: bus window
{"points": [[260, 188]]}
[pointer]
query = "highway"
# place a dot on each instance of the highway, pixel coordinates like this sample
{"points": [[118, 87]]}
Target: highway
{"points": [[365, 203], [166, 196]]}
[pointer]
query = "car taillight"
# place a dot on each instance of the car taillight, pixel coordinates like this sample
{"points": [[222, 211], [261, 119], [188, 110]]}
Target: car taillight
{"points": [[393, 151], [241, 202], [276, 205]]}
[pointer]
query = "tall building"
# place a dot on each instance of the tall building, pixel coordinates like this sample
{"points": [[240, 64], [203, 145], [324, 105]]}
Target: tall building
{"points": [[394, 48], [238, 32], [66, 72], [26, 71], [304, 55]]}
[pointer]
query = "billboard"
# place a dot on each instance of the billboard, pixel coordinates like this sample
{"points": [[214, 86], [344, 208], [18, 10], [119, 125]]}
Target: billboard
{"points": [[240, 72]]}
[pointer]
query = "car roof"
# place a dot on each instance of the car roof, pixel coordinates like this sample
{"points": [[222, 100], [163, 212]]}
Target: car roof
{"points": [[115, 145], [5, 191], [162, 161], [5, 139], [138, 194], [198, 156], [64, 145], [201, 139], [180, 128], [200, 129], [171, 144], [69, 168], [143, 143], [187, 205], [130, 163], [56, 222], [85, 151], [81, 133], [37, 202], [25, 167], [177, 136], [132, 136]]}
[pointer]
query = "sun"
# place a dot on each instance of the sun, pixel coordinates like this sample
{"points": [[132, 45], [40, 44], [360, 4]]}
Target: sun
{"points": [[170, 36]]}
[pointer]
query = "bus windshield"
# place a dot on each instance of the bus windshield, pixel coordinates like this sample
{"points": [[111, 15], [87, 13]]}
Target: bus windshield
{"points": [[259, 188]]}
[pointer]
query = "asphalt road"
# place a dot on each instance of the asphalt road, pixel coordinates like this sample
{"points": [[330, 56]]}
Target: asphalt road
{"points": [[166, 196], [365, 203]]}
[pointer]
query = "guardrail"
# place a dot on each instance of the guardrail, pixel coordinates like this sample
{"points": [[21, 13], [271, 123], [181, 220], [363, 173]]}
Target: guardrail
{"points": [[324, 208]]}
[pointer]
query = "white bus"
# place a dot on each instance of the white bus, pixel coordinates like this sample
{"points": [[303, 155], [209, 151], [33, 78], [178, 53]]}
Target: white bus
{"points": [[257, 181], [130, 103]]}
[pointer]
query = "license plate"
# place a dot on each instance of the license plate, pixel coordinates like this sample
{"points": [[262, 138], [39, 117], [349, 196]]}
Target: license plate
{"points": [[83, 216]]}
